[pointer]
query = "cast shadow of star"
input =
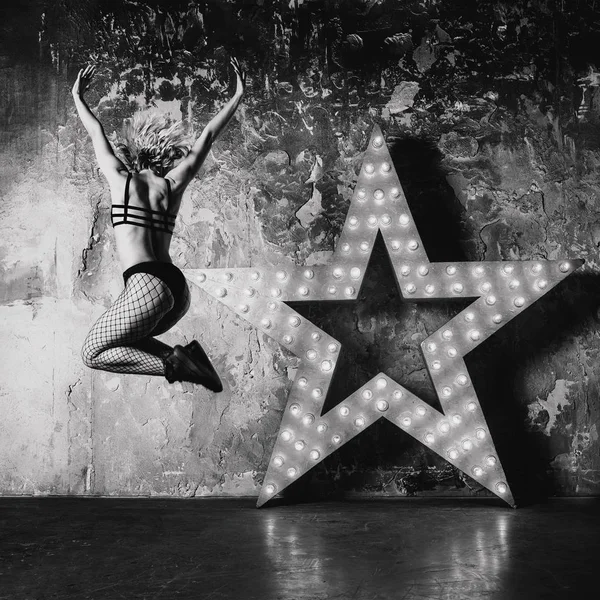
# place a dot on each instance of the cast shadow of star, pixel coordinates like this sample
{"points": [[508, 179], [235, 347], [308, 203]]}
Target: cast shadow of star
{"points": [[382, 332]]}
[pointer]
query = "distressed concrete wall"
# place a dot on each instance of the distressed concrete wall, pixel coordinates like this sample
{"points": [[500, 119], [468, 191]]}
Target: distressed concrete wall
{"points": [[497, 147]]}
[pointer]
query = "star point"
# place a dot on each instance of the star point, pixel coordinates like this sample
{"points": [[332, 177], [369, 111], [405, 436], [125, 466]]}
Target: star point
{"points": [[500, 291]]}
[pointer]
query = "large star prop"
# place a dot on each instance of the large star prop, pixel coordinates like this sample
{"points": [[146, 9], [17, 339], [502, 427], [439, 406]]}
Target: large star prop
{"points": [[501, 291]]}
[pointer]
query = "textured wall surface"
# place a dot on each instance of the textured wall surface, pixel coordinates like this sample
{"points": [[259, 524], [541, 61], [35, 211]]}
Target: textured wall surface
{"points": [[497, 147]]}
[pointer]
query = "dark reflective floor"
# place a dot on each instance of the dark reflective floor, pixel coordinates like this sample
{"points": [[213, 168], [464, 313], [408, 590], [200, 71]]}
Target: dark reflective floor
{"points": [[376, 549]]}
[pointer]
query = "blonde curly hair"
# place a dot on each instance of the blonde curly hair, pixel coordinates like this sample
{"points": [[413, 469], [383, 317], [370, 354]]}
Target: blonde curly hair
{"points": [[152, 140]]}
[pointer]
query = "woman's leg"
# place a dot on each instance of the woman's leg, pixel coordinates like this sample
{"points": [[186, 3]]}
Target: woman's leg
{"points": [[119, 340]]}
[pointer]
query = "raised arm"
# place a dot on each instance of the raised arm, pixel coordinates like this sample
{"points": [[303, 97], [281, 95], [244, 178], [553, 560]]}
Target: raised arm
{"points": [[109, 164], [187, 169]]}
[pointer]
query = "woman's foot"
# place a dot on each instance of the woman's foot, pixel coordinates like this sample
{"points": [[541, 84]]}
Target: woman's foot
{"points": [[190, 363]]}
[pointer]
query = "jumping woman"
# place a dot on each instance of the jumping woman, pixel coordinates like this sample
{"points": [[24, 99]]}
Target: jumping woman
{"points": [[146, 195]]}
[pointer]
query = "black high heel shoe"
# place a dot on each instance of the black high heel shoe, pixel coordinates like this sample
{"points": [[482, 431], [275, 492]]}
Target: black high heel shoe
{"points": [[190, 363]]}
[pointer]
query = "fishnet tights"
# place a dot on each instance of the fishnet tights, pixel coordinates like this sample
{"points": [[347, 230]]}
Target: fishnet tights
{"points": [[120, 341]]}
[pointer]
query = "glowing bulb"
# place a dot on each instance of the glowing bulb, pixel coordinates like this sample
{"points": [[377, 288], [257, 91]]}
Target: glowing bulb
{"points": [[423, 270], [349, 291], [444, 427], [311, 354], [471, 406], [456, 419], [386, 220], [480, 434], [332, 348], [458, 288], [302, 382], [421, 410], [430, 288], [314, 455], [513, 284], [281, 275], [413, 245], [353, 222], [291, 472], [270, 488], [317, 393], [462, 380], [308, 419], [486, 287], [286, 435], [395, 245], [479, 271], [436, 365], [272, 306], [497, 318], [278, 461], [309, 273], [395, 192], [451, 270], [536, 268], [255, 275], [378, 195], [385, 167], [294, 321], [295, 409], [332, 289], [431, 347], [477, 471], [338, 273], [475, 335], [453, 453], [405, 270], [404, 220], [469, 317], [378, 141], [519, 301], [542, 283], [382, 405], [429, 438], [447, 334], [345, 247], [508, 269], [367, 394], [362, 194], [275, 292], [322, 427], [406, 421], [201, 277], [326, 365], [221, 292], [467, 445], [336, 439], [299, 445], [288, 339], [303, 290], [355, 272], [490, 461], [344, 411], [359, 422], [452, 352], [372, 220], [501, 487], [369, 168], [491, 300], [446, 391], [364, 246]]}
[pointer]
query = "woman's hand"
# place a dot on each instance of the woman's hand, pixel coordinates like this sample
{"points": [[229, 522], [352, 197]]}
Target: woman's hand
{"points": [[241, 76], [84, 78]]}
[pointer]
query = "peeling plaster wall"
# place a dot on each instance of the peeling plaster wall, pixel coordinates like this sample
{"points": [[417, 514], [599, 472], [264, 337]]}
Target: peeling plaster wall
{"points": [[497, 147]]}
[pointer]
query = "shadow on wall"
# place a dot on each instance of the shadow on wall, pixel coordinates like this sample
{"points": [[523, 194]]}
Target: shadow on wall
{"points": [[382, 332]]}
